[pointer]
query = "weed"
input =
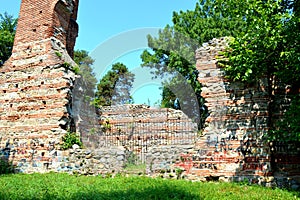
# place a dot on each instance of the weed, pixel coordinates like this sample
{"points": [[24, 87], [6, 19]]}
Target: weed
{"points": [[178, 172], [106, 125], [92, 131], [58, 54], [6, 167], [76, 69], [69, 139]]}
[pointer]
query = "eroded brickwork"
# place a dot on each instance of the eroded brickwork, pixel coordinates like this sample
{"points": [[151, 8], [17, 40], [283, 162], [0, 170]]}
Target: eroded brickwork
{"points": [[37, 106], [231, 146], [41, 20], [36, 82], [139, 128], [237, 121]]}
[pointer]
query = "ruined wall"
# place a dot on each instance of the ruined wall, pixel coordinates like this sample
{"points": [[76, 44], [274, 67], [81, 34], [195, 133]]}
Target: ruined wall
{"points": [[163, 125], [237, 121], [36, 82], [138, 128], [239, 116], [101, 161], [45, 19], [232, 145]]}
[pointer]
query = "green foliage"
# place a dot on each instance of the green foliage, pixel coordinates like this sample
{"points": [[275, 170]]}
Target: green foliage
{"points": [[115, 86], [174, 50], [58, 54], [178, 172], [6, 167], [168, 98], [92, 131], [106, 126], [76, 69], [69, 139], [84, 68], [85, 62], [67, 65], [210, 19], [258, 50], [288, 128], [268, 48], [64, 186], [8, 26]]}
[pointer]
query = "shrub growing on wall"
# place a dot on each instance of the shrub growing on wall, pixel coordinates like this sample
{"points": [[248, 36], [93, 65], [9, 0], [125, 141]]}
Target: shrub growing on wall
{"points": [[69, 139]]}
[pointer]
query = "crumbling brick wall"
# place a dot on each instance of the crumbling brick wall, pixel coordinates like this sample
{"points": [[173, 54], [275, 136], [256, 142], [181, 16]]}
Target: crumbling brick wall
{"points": [[45, 19], [232, 146], [232, 143], [36, 82], [139, 127]]}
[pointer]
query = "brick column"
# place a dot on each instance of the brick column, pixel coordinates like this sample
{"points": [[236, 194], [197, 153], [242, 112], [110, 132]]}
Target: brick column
{"points": [[36, 84]]}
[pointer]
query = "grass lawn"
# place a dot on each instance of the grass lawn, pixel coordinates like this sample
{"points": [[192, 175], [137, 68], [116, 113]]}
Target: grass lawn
{"points": [[63, 186]]}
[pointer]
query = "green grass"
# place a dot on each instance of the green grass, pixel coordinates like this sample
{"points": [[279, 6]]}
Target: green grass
{"points": [[63, 186], [139, 168]]}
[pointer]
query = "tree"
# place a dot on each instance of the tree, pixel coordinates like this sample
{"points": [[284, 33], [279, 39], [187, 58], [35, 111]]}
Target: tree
{"points": [[269, 48], [114, 87], [255, 52], [85, 62], [174, 49], [8, 26]]}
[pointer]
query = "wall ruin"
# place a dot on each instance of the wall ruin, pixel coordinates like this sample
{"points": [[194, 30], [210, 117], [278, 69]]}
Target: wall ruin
{"points": [[37, 107], [37, 80], [232, 145]]}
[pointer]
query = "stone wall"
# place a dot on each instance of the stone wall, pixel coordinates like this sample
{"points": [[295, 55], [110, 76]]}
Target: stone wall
{"points": [[76, 161], [166, 157]]}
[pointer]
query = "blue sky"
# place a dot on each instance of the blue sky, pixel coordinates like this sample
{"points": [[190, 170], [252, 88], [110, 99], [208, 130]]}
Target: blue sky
{"points": [[105, 27]]}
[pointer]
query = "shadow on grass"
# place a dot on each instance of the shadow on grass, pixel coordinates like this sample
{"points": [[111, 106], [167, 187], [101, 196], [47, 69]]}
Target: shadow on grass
{"points": [[165, 192], [147, 193]]}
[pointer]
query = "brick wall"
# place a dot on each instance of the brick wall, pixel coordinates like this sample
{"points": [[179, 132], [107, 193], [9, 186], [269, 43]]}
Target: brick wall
{"points": [[37, 106], [238, 119], [139, 127], [36, 82], [40, 20], [232, 145]]}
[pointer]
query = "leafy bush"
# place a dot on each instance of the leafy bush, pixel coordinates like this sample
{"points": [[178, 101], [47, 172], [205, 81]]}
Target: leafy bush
{"points": [[6, 167], [288, 129], [69, 139]]}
